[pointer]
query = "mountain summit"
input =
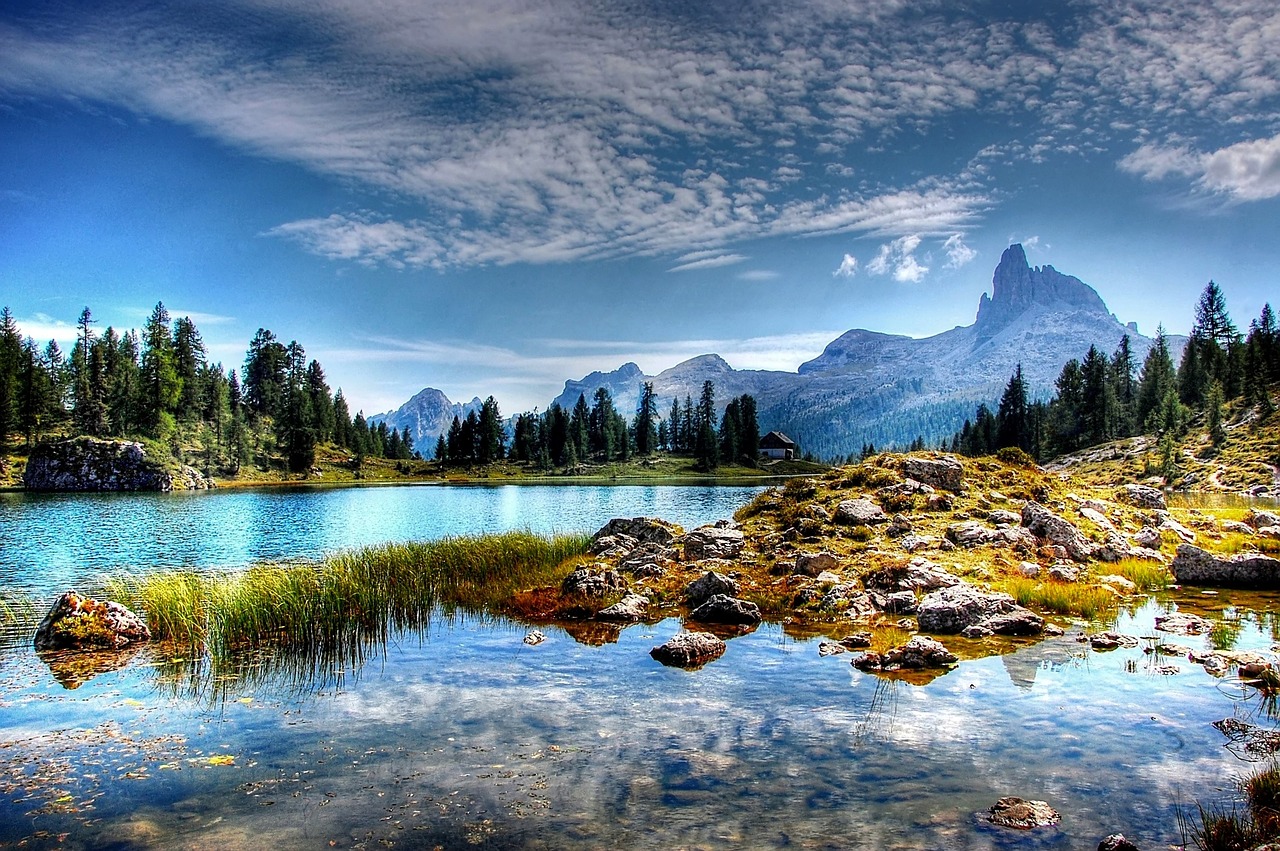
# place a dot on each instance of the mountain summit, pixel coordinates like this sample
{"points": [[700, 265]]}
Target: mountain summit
{"points": [[1017, 287]]}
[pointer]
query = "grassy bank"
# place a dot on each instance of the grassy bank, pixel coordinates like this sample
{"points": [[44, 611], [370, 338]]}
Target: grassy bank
{"points": [[347, 597]]}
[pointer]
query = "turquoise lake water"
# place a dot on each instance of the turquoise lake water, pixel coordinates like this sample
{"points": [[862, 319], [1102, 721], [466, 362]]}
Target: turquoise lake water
{"points": [[462, 736]]}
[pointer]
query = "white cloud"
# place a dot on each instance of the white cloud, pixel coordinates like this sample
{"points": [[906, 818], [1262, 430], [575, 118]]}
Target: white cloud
{"points": [[714, 261], [42, 328], [958, 254], [1245, 171], [758, 275], [898, 258], [848, 267]]}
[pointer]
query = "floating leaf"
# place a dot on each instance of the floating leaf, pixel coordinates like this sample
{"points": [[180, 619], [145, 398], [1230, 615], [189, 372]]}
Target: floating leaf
{"points": [[222, 759]]}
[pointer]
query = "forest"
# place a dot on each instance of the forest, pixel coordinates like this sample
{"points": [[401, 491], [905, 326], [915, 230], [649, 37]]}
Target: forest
{"points": [[1103, 398]]}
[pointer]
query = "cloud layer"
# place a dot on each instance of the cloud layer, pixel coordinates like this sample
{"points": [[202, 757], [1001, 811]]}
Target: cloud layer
{"points": [[554, 130]]}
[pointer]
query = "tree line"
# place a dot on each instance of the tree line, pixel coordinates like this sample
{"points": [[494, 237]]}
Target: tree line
{"points": [[1102, 398], [599, 431], [160, 385]]}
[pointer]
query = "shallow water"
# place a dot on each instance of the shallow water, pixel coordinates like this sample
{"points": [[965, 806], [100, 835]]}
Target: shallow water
{"points": [[465, 736]]}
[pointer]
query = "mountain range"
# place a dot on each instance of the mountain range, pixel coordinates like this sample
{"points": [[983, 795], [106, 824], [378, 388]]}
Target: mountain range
{"points": [[870, 387]]}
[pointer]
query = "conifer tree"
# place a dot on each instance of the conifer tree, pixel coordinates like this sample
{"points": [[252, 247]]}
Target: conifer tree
{"points": [[674, 437], [10, 373], [189, 360], [1124, 388], [646, 412], [705, 449], [750, 431], [1156, 379], [1011, 417], [160, 375]]}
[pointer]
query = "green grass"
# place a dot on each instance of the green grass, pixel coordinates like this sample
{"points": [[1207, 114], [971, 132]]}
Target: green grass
{"points": [[1063, 598], [1147, 575], [347, 598], [1235, 829]]}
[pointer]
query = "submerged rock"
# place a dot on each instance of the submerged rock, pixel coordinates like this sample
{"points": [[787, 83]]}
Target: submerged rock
{"points": [[1183, 623], [689, 650], [1021, 814], [721, 608], [918, 654], [1116, 842], [1194, 566], [82, 623], [1110, 640], [534, 637]]}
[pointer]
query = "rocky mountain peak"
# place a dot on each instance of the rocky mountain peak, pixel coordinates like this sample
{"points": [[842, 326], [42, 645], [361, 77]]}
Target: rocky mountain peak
{"points": [[1017, 287], [702, 365]]}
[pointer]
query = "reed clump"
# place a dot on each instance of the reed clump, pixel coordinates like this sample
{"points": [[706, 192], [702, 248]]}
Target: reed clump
{"points": [[1238, 829], [1062, 598], [1147, 575], [348, 597]]}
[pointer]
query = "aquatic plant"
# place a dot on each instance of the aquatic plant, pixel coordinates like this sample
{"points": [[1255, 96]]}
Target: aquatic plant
{"points": [[348, 597], [1236, 829], [1063, 598]]}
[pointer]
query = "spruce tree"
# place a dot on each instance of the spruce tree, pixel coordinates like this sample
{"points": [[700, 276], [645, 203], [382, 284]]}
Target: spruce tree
{"points": [[706, 450], [750, 431], [10, 373], [1156, 379], [1124, 388], [646, 412], [1011, 416], [160, 375]]}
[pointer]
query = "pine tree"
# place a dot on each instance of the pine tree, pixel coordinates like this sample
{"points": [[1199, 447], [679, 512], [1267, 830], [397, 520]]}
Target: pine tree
{"points": [[730, 431], [491, 437], [706, 450], [264, 374], [1124, 388], [442, 449], [1157, 378], [189, 361], [296, 427], [1214, 414], [1011, 417], [579, 427], [675, 440], [1065, 411], [646, 412], [1098, 407], [1193, 376], [750, 431], [160, 375], [10, 373]]}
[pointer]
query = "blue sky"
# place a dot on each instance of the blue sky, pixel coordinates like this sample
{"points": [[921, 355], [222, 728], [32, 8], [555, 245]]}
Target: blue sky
{"points": [[493, 196]]}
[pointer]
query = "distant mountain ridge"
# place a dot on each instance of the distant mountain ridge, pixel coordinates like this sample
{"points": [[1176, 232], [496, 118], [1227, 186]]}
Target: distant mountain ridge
{"points": [[888, 389], [427, 416]]}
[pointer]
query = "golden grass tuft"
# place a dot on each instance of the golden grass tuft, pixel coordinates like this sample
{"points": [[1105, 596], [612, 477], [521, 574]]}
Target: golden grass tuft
{"points": [[1062, 598], [1147, 575]]}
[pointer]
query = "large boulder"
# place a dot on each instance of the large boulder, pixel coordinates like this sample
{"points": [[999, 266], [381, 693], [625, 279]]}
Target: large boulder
{"points": [[644, 530], [82, 623], [709, 585], [964, 608], [812, 564], [1057, 531], [941, 471], [1142, 496], [1194, 566], [689, 650], [860, 512], [1259, 519], [919, 653], [724, 609], [919, 574], [90, 464], [712, 542]]}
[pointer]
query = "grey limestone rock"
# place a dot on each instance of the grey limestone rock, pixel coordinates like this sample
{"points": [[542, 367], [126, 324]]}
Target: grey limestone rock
{"points": [[1194, 566], [1057, 531], [712, 542], [643, 529], [1024, 815], [689, 650], [632, 607], [721, 608], [709, 585], [812, 564], [962, 606], [593, 581], [860, 512], [944, 472], [1142, 497], [919, 653], [90, 464]]}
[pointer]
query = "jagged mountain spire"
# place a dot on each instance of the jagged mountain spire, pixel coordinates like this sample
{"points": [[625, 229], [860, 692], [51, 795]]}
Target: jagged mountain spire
{"points": [[1017, 286]]}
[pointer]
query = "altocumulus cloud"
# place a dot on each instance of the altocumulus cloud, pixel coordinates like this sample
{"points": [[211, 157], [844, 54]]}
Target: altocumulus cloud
{"points": [[1245, 171]]}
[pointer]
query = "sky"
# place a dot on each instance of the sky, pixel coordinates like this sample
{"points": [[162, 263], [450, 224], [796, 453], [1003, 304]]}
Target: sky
{"points": [[491, 197]]}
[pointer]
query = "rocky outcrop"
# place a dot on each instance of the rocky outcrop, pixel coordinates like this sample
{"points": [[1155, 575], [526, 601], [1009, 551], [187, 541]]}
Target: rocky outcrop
{"points": [[919, 574], [689, 650], [918, 654], [1023, 815], [943, 472], [1194, 566], [1056, 531], [90, 464], [629, 609], [1142, 497], [712, 542], [709, 585], [81, 623], [721, 608], [860, 512], [622, 536], [965, 609], [593, 581]]}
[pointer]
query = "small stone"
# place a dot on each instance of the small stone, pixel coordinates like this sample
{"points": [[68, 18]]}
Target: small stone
{"points": [[1142, 497], [830, 648], [1029, 569], [533, 638], [1183, 623], [811, 564], [1116, 842], [856, 641], [860, 512], [708, 585], [1022, 814], [724, 609], [632, 608]]}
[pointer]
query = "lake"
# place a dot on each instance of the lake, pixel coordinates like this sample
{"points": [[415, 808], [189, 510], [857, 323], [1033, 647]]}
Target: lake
{"points": [[463, 736]]}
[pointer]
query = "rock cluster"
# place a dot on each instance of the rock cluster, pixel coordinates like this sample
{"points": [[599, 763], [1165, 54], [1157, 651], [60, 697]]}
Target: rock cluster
{"points": [[972, 612], [919, 653]]}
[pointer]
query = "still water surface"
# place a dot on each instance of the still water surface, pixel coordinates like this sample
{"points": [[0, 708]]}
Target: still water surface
{"points": [[464, 737]]}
